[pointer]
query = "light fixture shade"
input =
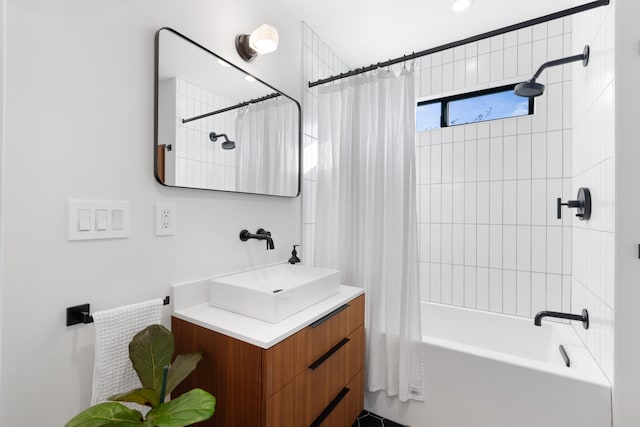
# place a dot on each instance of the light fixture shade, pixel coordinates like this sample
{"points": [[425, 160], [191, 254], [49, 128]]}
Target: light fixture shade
{"points": [[264, 39], [460, 5]]}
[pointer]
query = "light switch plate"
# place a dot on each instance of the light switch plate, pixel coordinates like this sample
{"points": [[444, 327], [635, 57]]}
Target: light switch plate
{"points": [[93, 219]]}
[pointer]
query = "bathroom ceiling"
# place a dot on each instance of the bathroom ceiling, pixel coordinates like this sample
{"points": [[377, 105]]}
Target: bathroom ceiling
{"points": [[362, 32]]}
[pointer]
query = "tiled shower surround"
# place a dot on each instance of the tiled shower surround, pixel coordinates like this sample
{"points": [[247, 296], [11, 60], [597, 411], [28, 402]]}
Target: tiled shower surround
{"points": [[489, 236]]}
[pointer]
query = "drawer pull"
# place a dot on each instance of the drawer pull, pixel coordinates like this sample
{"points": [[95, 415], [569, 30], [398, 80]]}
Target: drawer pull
{"points": [[328, 354], [329, 316], [336, 400]]}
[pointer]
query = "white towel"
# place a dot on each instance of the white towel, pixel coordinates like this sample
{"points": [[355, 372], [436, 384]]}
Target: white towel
{"points": [[112, 370]]}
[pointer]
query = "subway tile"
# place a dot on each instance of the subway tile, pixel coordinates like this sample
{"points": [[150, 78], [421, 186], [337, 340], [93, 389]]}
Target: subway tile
{"points": [[510, 202], [484, 46], [482, 288], [509, 245], [483, 159], [554, 292], [447, 163], [497, 65], [538, 292], [539, 249], [482, 202], [495, 290], [510, 39], [539, 158], [523, 249], [458, 285], [447, 77], [434, 283], [471, 70], [495, 246], [447, 203], [523, 293], [470, 235], [510, 157], [495, 160], [459, 74], [510, 62], [524, 202], [554, 250], [509, 292], [458, 244], [447, 244], [425, 276], [495, 202], [525, 59], [484, 68], [482, 251], [446, 284], [470, 287], [470, 165], [435, 243], [539, 202], [524, 156], [470, 200], [436, 164], [436, 203]]}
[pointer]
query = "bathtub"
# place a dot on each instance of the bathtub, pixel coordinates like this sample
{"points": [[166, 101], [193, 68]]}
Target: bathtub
{"points": [[491, 370]]}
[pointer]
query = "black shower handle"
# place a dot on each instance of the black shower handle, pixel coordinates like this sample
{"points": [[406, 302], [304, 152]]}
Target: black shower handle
{"points": [[582, 204], [570, 203]]}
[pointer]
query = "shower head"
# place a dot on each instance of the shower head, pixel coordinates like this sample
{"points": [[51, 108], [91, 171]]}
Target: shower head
{"points": [[226, 144], [531, 88]]}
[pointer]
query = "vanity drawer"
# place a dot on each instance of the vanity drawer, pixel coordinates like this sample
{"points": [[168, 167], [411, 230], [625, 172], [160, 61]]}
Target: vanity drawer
{"points": [[345, 406], [318, 385], [325, 333], [287, 359]]}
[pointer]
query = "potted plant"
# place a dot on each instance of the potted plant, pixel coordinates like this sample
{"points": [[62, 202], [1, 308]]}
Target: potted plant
{"points": [[150, 352]]}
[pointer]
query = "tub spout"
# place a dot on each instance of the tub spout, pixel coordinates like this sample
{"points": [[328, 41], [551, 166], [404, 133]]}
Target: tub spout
{"points": [[584, 317]]}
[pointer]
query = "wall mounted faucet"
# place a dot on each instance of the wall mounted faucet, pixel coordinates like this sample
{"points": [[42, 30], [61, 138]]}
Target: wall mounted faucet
{"points": [[261, 234], [584, 318]]}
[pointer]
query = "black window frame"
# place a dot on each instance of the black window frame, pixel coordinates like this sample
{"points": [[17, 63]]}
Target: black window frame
{"points": [[444, 103]]}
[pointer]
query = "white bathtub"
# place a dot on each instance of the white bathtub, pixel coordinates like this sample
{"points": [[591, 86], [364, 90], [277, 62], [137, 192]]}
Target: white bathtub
{"points": [[491, 370]]}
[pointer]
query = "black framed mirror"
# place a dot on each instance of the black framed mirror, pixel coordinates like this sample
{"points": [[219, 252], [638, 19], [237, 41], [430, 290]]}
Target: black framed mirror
{"points": [[218, 127]]}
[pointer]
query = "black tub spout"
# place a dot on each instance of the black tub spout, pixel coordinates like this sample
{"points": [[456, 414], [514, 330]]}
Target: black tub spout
{"points": [[584, 317]]}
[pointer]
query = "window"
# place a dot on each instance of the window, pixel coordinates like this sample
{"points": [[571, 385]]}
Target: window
{"points": [[480, 106]]}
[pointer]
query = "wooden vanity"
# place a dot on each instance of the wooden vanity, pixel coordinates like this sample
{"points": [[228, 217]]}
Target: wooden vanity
{"points": [[314, 377]]}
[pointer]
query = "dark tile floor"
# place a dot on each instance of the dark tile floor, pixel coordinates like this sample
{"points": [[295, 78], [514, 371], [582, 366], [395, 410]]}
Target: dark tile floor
{"points": [[367, 419]]}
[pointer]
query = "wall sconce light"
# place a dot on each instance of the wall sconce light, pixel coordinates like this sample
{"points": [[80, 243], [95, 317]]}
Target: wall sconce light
{"points": [[260, 42]]}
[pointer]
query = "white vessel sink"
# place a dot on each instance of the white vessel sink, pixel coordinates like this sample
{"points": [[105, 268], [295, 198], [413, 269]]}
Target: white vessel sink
{"points": [[273, 293]]}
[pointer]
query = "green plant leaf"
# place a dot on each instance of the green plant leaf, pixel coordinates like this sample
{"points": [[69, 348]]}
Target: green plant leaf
{"points": [[192, 407], [142, 396], [181, 368], [107, 414], [150, 351]]}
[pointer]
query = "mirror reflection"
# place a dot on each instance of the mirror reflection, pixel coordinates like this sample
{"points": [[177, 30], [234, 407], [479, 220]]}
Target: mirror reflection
{"points": [[219, 128]]}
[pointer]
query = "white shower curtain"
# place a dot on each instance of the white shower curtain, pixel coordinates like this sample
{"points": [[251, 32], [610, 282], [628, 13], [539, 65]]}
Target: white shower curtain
{"points": [[267, 156], [366, 224]]}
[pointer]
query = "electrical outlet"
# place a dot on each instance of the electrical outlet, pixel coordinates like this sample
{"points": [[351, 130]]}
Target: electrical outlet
{"points": [[165, 219]]}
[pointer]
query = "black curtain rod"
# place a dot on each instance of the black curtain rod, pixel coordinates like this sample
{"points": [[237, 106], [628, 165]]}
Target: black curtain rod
{"points": [[503, 30], [233, 107]]}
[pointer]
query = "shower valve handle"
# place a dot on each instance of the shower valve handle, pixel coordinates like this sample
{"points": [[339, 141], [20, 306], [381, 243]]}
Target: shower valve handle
{"points": [[582, 204]]}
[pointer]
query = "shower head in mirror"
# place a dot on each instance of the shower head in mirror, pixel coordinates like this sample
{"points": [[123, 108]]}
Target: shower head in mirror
{"points": [[226, 144]]}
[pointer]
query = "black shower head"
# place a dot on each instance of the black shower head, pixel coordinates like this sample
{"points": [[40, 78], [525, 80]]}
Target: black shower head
{"points": [[529, 89], [226, 145]]}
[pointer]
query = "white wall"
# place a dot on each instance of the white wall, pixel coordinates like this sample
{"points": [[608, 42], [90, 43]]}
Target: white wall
{"points": [[626, 393], [3, 26], [489, 236], [594, 167], [79, 124]]}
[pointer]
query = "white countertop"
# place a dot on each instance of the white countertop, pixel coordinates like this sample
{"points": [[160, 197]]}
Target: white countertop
{"points": [[257, 332]]}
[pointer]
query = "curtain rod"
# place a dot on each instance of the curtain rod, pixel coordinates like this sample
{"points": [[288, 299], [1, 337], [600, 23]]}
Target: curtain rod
{"points": [[524, 24], [233, 107]]}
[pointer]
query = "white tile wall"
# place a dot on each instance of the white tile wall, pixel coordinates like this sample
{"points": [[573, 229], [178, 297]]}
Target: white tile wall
{"points": [[594, 167], [487, 191], [201, 163], [318, 61]]}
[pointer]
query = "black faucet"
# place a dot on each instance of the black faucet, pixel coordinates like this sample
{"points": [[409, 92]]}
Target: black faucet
{"points": [[584, 318], [261, 234]]}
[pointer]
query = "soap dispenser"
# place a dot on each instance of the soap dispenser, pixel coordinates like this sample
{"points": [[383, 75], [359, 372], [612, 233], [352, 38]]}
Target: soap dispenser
{"points": [[294, 256]]}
